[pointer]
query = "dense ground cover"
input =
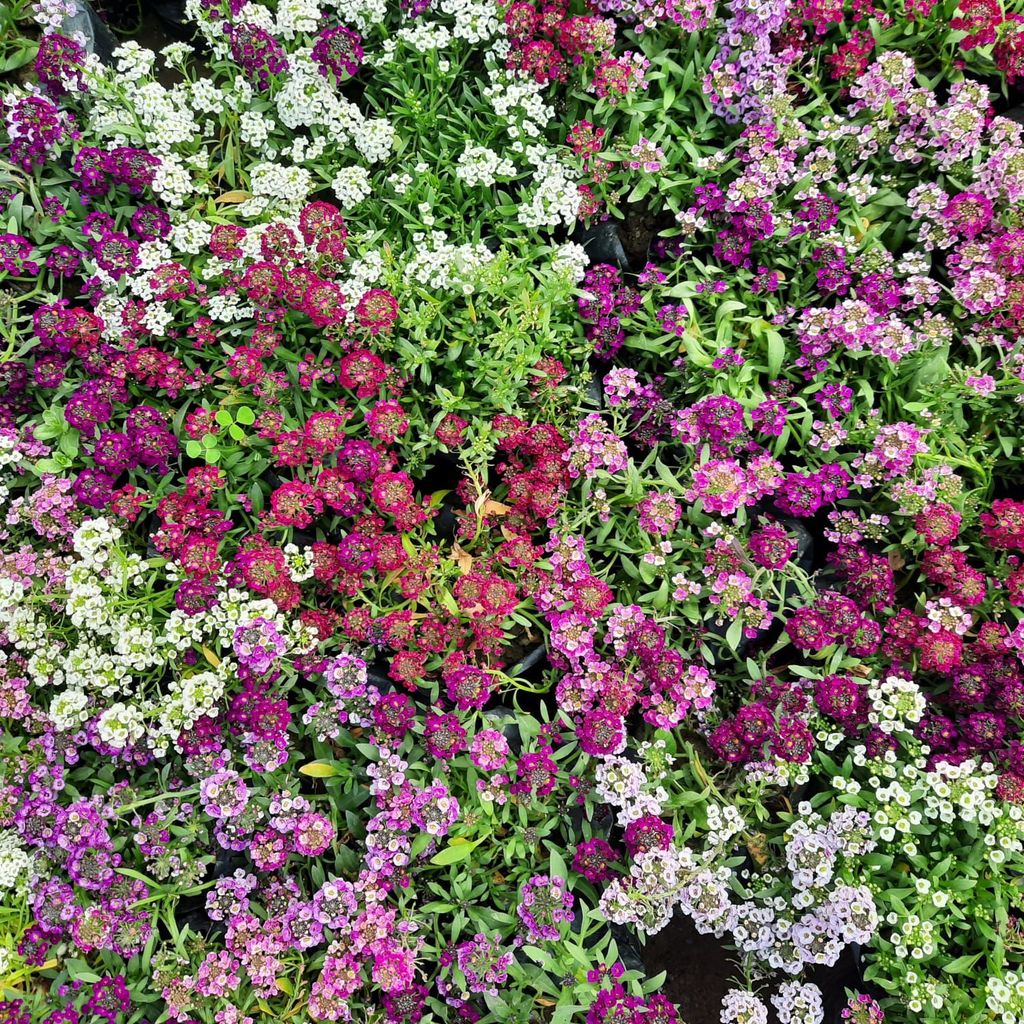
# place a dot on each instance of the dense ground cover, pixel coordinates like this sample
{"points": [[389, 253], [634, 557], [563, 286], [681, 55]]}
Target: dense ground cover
{"points": [[485, 483]]}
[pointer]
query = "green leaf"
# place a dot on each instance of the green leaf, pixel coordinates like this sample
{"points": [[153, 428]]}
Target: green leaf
{"points": [[245, 415], [455, 851], [557, 868], [223, 417], [68, 443], [319, 770], [776, 353], [961, 965], [419, 844], [734, 634], [236, 432], [256, 497], [193, 449], [22, 56]]}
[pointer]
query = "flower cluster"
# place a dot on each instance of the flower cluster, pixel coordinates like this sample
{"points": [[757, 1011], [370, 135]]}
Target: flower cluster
{"points": [[456, 519]]}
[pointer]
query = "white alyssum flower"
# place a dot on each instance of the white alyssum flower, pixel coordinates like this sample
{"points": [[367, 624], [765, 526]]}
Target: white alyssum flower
{"points": [[205, 97], [191, 236], [479, 165], [132, 61], [895, 703], [362, 15], [175, 54], [69, 709], [375, 139], [295, 17], [14, 860], [351, 186], [172, 181], [441, 265], [424, 36], [228, 308], [571, 259], [121, 724], [254, 128], [476, 22], [555, 200], [276, 188], [9, 453]]}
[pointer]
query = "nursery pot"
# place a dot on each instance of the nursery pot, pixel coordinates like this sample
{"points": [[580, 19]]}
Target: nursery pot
{"points": [[602, 244], [98, 38]]}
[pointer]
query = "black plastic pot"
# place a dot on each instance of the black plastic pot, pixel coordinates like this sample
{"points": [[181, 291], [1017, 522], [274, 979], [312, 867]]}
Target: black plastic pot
{"points": [[191, 910], [594, 389], [804, 556], [98, 38], [171, 16], [530, 664], [834, 982], [602, 243], [377, 675]]}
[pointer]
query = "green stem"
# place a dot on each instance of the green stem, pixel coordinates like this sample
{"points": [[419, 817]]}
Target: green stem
{"points": [[191, 791]]}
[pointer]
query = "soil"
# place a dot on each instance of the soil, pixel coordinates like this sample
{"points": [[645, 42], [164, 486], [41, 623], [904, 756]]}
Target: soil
{"points": [[639, 230], [699, 970]]}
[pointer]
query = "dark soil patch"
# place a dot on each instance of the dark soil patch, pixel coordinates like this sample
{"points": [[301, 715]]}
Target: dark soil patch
{"points": [[699, 970]]}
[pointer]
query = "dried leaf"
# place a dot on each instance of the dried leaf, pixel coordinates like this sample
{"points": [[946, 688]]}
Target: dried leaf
{"points": [[463, 559], [495, 508], [757, 847], [235, 196]]}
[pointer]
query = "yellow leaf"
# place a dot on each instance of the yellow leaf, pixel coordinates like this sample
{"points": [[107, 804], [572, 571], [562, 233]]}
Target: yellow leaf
{"points": [[285, 986], [210, 656], [318, 770], [235, 196]]}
